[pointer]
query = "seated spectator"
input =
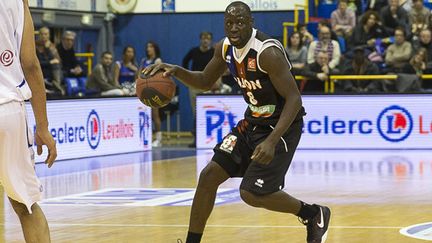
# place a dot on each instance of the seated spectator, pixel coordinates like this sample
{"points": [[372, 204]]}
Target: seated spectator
{"points": [[307, 37], [297, 53], [356, 6], [399, 53], [424, 41], [343, 20], [418, 62], [360, 65], [70, 65], [45, 37], [51, 68], [125, 70], [393, 16], [326, 45], [419, 17], [102, 80], [367, 31], [326, 23], [317, 73]]}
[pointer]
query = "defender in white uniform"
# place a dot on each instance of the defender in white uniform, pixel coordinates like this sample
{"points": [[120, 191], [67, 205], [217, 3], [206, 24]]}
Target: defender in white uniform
{"points": [[20, 76]]}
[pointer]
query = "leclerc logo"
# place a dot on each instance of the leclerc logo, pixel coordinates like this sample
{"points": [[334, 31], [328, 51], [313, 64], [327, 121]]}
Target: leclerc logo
{"points": [[395, 123], [94, 130]]}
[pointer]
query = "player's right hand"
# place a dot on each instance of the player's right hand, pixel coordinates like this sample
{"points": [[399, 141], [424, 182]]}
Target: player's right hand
{"points": [[169, 69], [44, 137]]}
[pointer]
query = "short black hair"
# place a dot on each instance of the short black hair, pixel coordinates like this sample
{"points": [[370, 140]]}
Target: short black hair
{"points": [[106, 53], [402, 29], [241, 4]]}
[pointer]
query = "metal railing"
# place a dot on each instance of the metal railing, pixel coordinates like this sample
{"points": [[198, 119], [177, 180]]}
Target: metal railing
{"points": [[297, 8], [89, 62]]}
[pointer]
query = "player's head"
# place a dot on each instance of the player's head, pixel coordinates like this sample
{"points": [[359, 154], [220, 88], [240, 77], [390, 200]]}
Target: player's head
{"points": [[206, 39], [238, 23], [106, 58], [44, 34], [152, 50]]}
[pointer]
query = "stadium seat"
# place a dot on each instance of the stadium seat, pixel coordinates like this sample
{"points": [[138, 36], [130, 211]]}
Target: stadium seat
{"points": [[73, 86]]}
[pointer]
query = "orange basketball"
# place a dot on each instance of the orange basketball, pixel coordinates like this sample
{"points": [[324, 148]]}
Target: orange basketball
{"points": [[155, 91]]}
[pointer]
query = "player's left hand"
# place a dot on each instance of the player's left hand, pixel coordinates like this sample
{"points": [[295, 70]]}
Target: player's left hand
{"points": [[264, 153]]}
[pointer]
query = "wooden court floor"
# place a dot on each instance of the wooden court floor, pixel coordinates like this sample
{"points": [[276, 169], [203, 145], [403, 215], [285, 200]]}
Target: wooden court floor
{"points": [[372, 194]]}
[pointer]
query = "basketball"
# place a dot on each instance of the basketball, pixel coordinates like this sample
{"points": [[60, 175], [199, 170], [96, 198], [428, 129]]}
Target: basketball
{"points": [[155, 91]]}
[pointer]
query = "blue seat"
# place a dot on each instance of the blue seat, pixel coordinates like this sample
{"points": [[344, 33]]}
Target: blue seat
{"points": [[73, 86]]}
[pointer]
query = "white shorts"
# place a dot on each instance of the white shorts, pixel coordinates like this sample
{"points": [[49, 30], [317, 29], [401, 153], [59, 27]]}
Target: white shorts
{"points": [[17, 173]]}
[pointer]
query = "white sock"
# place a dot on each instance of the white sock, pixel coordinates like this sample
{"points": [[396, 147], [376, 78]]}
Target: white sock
{"points": [[159, 136]]}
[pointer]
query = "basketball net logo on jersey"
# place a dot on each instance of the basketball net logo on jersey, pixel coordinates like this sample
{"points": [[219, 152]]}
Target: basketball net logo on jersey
{"points": [[6, 58]]}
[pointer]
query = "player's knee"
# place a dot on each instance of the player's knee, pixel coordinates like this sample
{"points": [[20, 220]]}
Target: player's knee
{"points": [[210, 177], [250, 198]]}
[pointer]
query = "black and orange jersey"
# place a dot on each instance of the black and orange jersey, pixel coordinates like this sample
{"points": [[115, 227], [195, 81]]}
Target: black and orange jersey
{"points": [[264, 102]]}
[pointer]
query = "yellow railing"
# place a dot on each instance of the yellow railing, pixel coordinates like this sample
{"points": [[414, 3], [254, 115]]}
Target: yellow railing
{"points": [[89, 62], [297, 7]]}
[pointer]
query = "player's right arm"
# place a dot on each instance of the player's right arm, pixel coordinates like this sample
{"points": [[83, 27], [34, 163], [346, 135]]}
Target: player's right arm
{"points": [[33, 75], [203, 80]]}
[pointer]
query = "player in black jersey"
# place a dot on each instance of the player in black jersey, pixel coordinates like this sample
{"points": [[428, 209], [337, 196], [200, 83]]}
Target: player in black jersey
{"points": [[260, 148]]}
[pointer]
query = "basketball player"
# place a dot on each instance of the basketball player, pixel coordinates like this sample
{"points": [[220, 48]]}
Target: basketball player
{"points": [[260, 148], [21, 79]]}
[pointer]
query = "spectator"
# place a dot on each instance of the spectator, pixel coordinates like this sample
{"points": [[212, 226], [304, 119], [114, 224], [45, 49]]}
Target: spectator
{"points": [[368, 31], [153, 57], [200, 57], [360, 65], [356, 6], [326, 45], [418, 62], [44, 35], [125, 70], [102, 80], [419, 17], [51, 68], [393, 16], [317, 73], [307, 37], [297, 52], [70, 65], [399, 53], [425, 41], [343, 19], [326, 23]]}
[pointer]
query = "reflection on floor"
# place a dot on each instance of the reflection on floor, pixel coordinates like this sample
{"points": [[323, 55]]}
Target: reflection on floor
{"points": [[146, 197]]}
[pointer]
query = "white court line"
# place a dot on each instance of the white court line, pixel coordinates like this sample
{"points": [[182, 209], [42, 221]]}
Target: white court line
{"points": [[212, 226]]}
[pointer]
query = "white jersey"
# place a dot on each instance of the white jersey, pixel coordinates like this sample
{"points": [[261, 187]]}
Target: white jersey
{"points": [[13, 87]]}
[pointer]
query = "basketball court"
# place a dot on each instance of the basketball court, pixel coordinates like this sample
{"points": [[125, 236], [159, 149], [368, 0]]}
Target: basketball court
{"points": [[146, 197]]}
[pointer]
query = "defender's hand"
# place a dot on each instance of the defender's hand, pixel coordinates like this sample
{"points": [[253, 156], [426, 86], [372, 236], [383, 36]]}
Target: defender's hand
{"points": [[264, 153], [169, 70], [44, 137]]}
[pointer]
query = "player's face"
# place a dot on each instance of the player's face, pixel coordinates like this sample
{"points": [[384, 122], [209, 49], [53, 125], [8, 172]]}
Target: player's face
{"points": [[238, 26]]}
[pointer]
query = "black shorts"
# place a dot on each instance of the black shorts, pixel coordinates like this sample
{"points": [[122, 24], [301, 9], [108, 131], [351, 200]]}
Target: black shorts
{"points": [[234, 152]]}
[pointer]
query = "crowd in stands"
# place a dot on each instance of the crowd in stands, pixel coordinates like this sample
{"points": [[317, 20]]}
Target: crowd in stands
{"points": [[382, 37], [385, 38]]}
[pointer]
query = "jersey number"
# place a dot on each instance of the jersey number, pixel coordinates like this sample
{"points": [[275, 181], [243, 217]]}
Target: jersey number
{"points": [[252, 99]]}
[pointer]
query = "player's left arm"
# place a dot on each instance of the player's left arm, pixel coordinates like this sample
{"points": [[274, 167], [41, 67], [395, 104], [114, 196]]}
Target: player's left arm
{"points": [[273, 61]]}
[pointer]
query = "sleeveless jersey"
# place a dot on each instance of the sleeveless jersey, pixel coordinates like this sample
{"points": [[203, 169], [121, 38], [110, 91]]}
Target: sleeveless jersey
{"points": [[127, 75], [264, 102], [13, 87]]}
